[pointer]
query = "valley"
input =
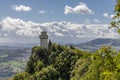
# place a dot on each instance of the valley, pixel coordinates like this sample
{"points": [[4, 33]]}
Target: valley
{"points": [[12, 60]]}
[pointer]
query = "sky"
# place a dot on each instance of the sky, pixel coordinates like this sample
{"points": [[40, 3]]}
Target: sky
{"points": [[54, 10], [63, 20]]}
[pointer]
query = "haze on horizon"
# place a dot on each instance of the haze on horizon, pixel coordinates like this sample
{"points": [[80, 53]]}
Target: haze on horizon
{"points": [[21, 21]]}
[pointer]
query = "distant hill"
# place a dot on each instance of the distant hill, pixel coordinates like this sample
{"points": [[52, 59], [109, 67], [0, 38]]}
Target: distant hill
{"points": [[99, 42], [18, 45]]}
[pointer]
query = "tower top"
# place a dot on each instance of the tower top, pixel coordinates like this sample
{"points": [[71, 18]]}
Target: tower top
{"points": [[43, 33]]}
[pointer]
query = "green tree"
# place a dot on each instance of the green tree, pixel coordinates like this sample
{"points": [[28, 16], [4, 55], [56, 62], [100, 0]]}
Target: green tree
{"points": [[30, 68], [47, 73], [116, 22], [20, 76], [64, 63]]}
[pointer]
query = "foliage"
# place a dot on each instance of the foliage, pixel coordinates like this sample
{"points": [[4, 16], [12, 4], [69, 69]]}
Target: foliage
{"points": [[116, 22], [67, 63], [101, 66], [20, 76]]}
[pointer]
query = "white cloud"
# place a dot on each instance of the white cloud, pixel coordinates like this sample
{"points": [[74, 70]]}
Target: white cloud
{"points": [[68, 10], [106, 15], [59, 34], [21, 8], [41, 12], [79, 9], [17, 29]]}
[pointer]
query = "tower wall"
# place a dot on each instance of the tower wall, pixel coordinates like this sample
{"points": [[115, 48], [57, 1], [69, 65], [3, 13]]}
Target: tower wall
{"points": [[44, 39], [44, 43]]}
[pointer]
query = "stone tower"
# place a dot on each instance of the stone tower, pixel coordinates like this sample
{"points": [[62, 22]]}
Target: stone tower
{"points": [[44, 39]]}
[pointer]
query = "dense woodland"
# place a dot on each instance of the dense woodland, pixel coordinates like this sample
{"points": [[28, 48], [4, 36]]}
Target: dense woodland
{"points": [[69, 63]]}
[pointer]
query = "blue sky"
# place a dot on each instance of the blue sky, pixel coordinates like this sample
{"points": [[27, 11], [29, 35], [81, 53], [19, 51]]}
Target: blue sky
{"points": [[65, 20], [54, 10]]}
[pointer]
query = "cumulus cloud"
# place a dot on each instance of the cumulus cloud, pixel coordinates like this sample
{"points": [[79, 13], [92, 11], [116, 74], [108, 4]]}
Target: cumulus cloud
{"points": [[15, 29], [41, 12], [79, 9], [21, 8], [19, 27]]}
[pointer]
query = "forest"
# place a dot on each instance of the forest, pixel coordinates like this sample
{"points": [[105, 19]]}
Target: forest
{"points": [[68, 63]]}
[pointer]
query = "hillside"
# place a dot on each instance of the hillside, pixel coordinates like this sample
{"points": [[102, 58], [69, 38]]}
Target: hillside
{"points": [[98, 43], [68, 63], [103, 41]]}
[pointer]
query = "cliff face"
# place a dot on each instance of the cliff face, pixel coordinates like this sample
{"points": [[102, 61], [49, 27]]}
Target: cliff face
{"points": [[68, 63]]}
